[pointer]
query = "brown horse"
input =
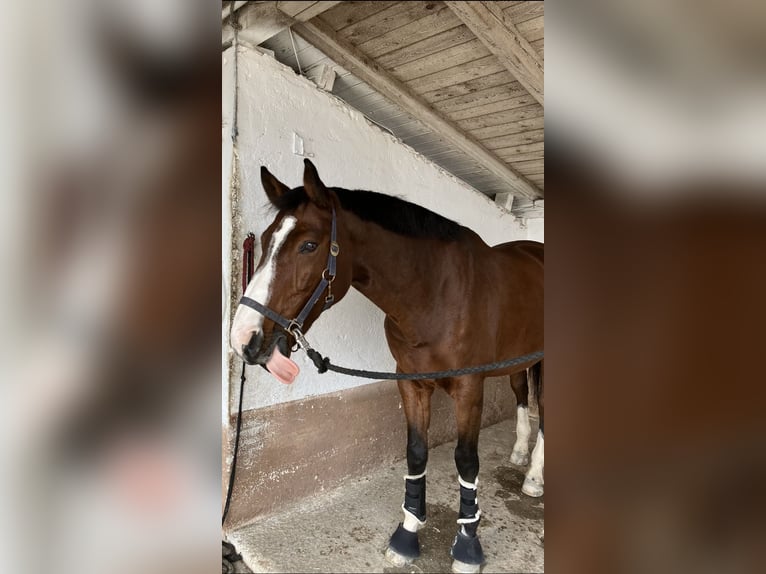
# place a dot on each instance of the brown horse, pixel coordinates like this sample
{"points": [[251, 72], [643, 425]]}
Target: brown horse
{"points": [[450, 301]]}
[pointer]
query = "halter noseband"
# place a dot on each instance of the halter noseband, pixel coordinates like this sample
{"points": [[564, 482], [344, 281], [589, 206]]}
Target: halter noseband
{"points": [[295, 326]]}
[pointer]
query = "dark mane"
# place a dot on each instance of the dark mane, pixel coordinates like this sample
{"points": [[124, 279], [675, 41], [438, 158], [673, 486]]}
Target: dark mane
{"points": [[389, 212]]}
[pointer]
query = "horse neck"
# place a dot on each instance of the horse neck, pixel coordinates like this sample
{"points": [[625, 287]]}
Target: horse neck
{"points": [[403, 275]]}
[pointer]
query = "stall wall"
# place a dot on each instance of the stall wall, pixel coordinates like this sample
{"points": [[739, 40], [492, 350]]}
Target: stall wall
{"points": [[279, 113], [312, 435]]}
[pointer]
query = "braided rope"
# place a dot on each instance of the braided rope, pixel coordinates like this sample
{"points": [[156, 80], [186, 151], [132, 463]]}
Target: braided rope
{"points": [[323, 365]]}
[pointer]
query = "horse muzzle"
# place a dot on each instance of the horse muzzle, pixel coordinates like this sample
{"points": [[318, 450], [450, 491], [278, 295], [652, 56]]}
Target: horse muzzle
{"points": [[256, 353]]}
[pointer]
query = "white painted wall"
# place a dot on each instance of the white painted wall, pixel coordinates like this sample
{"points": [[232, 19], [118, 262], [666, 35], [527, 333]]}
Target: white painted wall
{"points": [[349, 152]]}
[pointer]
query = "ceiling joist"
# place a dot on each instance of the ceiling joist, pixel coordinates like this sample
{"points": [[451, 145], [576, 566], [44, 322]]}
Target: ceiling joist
{"points": [[502, 38], [324, 38]]}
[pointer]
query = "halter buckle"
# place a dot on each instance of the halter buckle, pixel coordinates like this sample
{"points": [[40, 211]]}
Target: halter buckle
{"points": [[329, 278], [294, 327], [334, 248], [295, 330]]}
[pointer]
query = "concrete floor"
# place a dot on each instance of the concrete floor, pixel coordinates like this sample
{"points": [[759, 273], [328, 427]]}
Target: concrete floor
{"points": [[347, 529]]}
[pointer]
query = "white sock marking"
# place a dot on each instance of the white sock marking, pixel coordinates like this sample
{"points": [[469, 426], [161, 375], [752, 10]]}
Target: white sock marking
{"points": [[523, 430], [246, 320], [538, 460]]}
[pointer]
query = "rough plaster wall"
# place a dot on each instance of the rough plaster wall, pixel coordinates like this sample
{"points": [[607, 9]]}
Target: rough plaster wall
{"points": [[349, 152]]}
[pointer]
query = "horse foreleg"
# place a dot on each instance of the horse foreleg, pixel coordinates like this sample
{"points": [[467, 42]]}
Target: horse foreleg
{"points": [[404, 546], [533, 482], [520, 454], [468, 394]]}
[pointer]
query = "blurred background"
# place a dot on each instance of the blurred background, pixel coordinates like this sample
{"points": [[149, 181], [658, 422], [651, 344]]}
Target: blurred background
{"points": [[110, 254], [111, 291], [655, 283]]}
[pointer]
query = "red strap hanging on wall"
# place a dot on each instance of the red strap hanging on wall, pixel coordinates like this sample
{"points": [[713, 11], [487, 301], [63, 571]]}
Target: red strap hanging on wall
{"points": [[248, 260]]}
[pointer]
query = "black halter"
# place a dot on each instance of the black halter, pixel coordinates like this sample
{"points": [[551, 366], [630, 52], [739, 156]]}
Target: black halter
{"points": [[295, 326]]}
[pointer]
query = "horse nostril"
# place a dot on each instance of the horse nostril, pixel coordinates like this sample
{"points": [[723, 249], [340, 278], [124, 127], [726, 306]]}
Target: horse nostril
{"points": [[256, 341], [252, 349]]}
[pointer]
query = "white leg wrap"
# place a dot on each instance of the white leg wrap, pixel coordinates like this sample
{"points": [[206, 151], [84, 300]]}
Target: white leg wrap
{"points": [[414, 476], [466, 484], [411, 521], [470, 520], [473, 486]]}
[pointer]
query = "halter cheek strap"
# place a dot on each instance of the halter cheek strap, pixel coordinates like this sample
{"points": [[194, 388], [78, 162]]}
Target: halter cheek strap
{"points": [[328, 276]]}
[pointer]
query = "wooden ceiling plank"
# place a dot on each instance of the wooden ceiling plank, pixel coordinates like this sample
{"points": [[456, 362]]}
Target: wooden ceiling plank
{"points": [[536, 147], [323, 37], [448, 58], [381, 22], [530, 136], [347, 13], [519, 12], [533, 30], [294, 8], [492, 107], [468, 71], [505, 41], [487, 96], [314, 10], [469, 87], [500, 118], [531, 167], [509, 128], [425, 47], [440, 20]]}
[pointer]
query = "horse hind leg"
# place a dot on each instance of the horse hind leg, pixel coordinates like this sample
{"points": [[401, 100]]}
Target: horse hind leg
{"points": [[404, 546], [520, 454], [533, 482]]}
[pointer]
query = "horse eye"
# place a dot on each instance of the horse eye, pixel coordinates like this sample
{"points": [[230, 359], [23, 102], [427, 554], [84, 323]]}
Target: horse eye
{"points": [[308, 247]]}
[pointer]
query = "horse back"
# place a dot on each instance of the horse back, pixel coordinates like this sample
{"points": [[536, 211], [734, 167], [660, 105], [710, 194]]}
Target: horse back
{"points": [[525, 249]]}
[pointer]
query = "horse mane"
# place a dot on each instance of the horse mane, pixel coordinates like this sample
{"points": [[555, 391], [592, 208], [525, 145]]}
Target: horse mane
{"points": [[391, 213]]}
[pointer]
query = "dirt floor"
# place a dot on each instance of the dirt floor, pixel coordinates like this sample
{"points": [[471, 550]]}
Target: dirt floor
{"points": [[347, 529]]}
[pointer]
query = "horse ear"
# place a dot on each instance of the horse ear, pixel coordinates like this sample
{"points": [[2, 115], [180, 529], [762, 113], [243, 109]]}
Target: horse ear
{"points": [[314, 187], [271, 185]]}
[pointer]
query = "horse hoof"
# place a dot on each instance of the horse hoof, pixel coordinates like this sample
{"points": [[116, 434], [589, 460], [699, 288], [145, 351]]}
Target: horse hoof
{"points": [[532, 488], [520, 458], [463, 568], [396, 559]]}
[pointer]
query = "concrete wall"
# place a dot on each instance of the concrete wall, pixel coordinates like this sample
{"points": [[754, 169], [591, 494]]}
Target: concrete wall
{"points": [[275, 108]]}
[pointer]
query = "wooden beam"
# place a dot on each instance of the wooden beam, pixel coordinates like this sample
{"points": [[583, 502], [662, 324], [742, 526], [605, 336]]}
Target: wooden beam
{"points": [[305, 11], [260, 21], [503, 39], [345, 54]]}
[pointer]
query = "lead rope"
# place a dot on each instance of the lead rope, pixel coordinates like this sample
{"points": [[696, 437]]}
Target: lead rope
{"points": [[248, 248], [323, 365]]}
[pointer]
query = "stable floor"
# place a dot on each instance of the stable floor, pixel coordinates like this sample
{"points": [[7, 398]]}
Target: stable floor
{"points": [[347, 529]]}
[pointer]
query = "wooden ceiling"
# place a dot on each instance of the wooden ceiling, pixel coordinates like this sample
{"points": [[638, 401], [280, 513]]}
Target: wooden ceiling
{"points": [[470, 71]]}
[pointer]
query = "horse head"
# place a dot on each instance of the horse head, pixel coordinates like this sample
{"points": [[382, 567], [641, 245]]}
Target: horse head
{"points": [[294, 260]]}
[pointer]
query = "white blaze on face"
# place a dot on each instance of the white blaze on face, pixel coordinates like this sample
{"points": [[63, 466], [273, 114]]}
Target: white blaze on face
{"points": [[246, 320]]}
